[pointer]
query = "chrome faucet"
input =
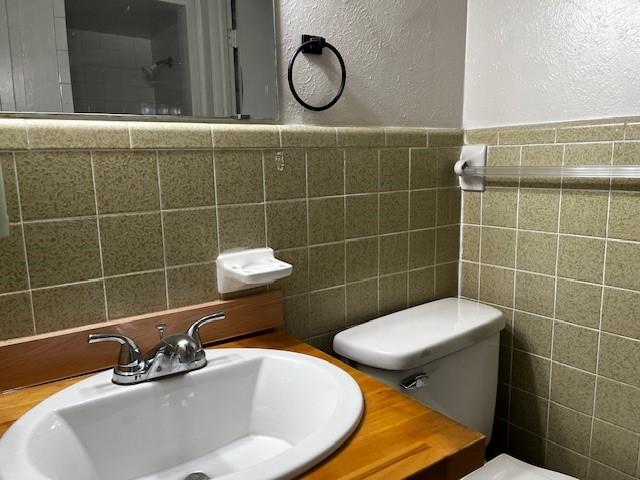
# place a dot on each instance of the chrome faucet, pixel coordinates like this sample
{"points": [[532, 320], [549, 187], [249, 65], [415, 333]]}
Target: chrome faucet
{"points": [[178, 353]]}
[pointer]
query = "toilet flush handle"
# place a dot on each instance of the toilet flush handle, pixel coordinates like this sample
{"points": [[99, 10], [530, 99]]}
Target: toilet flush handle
{"points": [[415, 381]]}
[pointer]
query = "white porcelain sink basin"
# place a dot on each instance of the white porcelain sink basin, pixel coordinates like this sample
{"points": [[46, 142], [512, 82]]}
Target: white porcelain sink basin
{"points": [[249, 414]]}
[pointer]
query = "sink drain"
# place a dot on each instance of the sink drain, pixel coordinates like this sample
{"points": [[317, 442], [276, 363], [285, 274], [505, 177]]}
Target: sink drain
{"points": [[197, 476]]}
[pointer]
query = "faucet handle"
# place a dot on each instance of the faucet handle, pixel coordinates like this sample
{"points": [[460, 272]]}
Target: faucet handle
{"points": [[130, 359], [194, 330]]}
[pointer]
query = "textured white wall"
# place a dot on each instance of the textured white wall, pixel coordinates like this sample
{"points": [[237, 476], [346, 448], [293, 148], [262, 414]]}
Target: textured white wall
{"points": [[531, 61], [404, 58]]}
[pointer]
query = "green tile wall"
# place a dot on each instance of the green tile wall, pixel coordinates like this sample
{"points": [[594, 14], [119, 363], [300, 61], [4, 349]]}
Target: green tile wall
{"points": [[111, 219], [561, 258]]}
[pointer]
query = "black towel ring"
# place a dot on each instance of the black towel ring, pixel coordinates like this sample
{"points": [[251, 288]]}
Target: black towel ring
{"points": [[314, 45]]}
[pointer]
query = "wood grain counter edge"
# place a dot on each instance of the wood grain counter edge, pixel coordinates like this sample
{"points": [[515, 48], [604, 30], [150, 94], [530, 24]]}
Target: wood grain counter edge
{"points": [[397, 438]]}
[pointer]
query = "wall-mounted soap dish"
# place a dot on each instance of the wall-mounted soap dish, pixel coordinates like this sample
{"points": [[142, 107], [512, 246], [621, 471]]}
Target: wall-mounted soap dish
{"points": [[249, 269]]}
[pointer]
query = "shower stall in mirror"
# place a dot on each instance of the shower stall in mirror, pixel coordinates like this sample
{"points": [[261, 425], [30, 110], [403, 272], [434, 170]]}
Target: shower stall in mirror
{"points": [[187, 58]]}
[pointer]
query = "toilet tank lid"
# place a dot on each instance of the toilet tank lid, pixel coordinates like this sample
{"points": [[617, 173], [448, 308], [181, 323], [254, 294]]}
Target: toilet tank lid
{"points": [[419, 335]]}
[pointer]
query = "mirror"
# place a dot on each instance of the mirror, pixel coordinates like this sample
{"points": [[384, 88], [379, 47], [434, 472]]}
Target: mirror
{"points": [[186, 58]]}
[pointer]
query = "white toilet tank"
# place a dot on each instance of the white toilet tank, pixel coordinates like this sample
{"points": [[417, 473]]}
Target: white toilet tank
{"points": [[442, 353]]}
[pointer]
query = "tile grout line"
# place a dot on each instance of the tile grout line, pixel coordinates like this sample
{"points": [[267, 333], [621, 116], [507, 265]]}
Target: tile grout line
{"points": [[604, 276], [24, 243], [378, 241], [162, 229], [308, 248], [95, 199], [553, 320], [407, 265], [344, 227], [263, 160], [513, 297]]}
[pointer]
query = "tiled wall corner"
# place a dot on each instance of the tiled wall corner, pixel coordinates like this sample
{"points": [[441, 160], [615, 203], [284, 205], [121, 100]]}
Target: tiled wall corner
{"points": [[111, 219], [562, 260]]}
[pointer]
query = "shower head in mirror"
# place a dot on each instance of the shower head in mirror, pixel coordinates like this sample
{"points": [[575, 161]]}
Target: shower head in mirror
{"points": [[150, 71]]}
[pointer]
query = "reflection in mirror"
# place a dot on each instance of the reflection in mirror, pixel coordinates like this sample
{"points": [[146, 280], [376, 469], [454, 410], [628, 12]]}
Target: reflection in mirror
{"points": [[193, 58]]}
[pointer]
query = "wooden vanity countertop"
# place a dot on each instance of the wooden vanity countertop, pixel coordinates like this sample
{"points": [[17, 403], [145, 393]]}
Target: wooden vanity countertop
{"points": [[398, 437]]}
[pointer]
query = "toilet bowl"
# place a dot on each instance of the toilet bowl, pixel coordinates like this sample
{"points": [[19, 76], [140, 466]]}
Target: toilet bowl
{"points": [[445, 355]]}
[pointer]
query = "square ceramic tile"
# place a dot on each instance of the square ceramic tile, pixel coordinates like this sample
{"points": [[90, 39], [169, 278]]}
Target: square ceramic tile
{"points": [[325, 172], [298, 281], [448, 201], [581, 258], [394, 169], [285, 174], [10, 190], [529, 411], [619, 312], [624, 216], [470, 243], [625, 456], [537, 252], [578, 303], [422, 244], [186, 179], [498, 246], [471, 208], [422, 209], [496, 285], [447, 244], [421, 286], [326, 266], [530, 373], [241, 226], [526, 446], [287, 224], [469, 278], [362, 301], [617, 403], [326, 220], [573, 388], [16, 319], [239, 176], [62, 252], [136, 294], [327, 311], [569, 428], [584, 212], [69, 306], [535, 293], [296, 316], [446, 280], [619, 359], [424, 167], [532, 333], [394, 212], [566, 461], [499, 207], [361, 215], [393, 293], [623, 265], [393, 253], [126, 181], [191, 285], [55, 184], [538, 209], [575, 346], [131, 243], [362, 259], [13, 267], [361, 170], [190, 236]]}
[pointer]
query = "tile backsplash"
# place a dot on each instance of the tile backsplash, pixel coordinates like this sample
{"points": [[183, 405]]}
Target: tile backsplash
{"points": [[112, 219], [561, 259]]}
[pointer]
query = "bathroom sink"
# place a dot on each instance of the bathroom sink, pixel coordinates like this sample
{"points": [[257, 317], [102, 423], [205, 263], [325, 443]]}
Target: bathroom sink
{"points": [[249, 414]]}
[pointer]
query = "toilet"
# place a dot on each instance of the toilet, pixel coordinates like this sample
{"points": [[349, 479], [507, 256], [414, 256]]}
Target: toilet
{"points": [[445, 355]]}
